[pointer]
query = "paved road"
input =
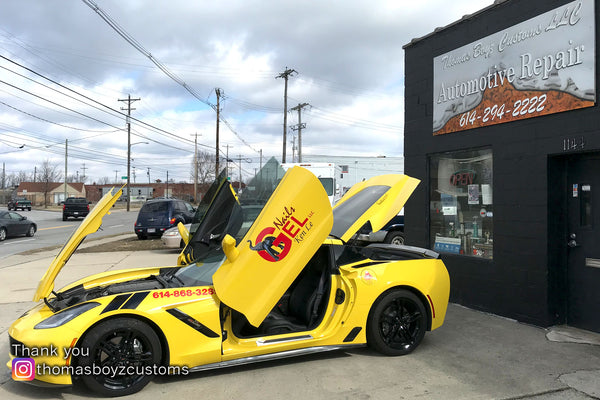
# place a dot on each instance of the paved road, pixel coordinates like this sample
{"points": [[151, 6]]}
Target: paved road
{"points": [[53, 231]]}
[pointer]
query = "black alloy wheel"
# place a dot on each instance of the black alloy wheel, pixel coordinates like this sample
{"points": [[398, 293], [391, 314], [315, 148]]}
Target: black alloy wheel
{"points": [[127, 351], [397, 323]]}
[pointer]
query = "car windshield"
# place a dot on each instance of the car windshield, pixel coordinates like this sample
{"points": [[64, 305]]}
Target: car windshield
{"points": [[200, 273], [159, 206]]}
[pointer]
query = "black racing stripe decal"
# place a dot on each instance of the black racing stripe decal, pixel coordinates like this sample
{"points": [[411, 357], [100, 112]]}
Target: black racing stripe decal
{"points": [[186, 319], [116, 303], [135, 300]]}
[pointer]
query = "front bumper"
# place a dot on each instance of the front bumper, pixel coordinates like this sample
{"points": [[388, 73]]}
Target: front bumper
{"points": [[44, 349]]}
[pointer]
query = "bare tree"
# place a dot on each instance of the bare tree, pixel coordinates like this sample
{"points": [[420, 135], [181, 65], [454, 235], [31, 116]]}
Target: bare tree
{"points": [[206, 167], [49, 173], [105, 180]]}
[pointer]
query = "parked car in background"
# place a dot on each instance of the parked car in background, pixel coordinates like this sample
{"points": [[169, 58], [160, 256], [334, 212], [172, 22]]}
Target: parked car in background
{"points": [[19, 203], [156, 216], [392, 233], [76, 207], [172, 239], [15, 224]]}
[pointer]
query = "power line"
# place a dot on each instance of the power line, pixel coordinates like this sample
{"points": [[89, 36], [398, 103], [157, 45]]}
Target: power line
{"points": [[131, 40], [145, 124], [55, 123]]}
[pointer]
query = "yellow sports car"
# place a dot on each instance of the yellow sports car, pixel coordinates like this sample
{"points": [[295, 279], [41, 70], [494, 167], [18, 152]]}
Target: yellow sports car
{"points": [[271, 273]]}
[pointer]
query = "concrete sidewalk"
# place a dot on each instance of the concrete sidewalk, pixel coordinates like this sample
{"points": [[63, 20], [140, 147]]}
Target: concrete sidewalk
{"points": [[25, 271], [474, 355]]}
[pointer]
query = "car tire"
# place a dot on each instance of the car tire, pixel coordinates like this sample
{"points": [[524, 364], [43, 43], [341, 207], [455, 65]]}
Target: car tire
{"points": [[141, 236], [28, 208], [115, 343], [30, 231], [395, 237], [2, 234], [397, 323]]}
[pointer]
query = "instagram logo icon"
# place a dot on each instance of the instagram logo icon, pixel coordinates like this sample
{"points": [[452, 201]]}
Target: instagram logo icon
{"points": [[23, 369]]}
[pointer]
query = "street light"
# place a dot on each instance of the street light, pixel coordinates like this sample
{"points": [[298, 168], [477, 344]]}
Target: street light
{"points": [[129, 145]]}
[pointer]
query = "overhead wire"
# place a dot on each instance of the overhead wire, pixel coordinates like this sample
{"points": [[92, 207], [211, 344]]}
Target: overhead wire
{"points": [[121, 114], [131, 40]]}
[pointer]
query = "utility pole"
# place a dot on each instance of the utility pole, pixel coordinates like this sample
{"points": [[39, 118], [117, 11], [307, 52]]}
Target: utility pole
{"points": [[196, 167], [240, 159], [240, 165], [299, 127], [227, 157], [260, 158], [129, 100], [285, 75], [116, 172], [167, 194], [66, 155], [260, 164], [83, 168], [219, 94], [148, 175]]}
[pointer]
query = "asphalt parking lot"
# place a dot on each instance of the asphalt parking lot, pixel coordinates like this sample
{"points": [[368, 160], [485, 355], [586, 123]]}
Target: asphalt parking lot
{"points": [[474, 355]]}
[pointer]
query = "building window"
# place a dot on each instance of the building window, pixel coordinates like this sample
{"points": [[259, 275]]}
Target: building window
{"points": [[461, 204]]}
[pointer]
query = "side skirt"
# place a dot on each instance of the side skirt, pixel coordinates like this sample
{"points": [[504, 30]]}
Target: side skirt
{"points": [[273, 356]]}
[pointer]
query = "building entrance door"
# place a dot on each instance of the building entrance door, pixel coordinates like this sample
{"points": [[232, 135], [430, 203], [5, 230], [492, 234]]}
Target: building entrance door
{"points": [[583, 242]]}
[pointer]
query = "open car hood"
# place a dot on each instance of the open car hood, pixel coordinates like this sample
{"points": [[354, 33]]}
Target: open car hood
{"points": [[89, 225], [286, 234], [371, 204]]}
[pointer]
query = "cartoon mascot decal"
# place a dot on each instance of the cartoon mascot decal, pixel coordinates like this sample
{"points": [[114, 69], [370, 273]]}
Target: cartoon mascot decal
{"points": [[271, 248]]}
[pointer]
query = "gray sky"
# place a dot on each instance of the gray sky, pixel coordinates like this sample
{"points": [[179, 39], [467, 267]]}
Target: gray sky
{"points": [[348, 57]]}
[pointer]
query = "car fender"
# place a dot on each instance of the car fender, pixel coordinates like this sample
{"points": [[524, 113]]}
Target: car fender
{"points": [[428, 277]]}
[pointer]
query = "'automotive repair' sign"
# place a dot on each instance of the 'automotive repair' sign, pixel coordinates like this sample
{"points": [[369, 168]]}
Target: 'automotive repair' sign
{"points": [[541, 66]]}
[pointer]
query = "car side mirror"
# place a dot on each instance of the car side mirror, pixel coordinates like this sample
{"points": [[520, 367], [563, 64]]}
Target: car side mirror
{"points": [[228, 244], [23, 218]]}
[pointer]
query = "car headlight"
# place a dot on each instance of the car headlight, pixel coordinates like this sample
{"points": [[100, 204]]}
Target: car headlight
{"points": [[62, 317], [171, 233]]}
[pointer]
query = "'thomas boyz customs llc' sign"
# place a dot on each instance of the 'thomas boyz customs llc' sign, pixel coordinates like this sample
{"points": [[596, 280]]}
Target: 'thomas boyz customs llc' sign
{"points": [[541, 66]]}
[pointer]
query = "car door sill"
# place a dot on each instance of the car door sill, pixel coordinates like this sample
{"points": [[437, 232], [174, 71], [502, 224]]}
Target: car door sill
{"points": [[272, 356]]}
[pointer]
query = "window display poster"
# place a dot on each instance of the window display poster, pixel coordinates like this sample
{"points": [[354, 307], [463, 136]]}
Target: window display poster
{"points": [[486, 194], [447, 245], [449, 204], [473, 194]]}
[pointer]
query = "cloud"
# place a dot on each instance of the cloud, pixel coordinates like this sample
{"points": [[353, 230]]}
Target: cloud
{"points": [[348, 57]]}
